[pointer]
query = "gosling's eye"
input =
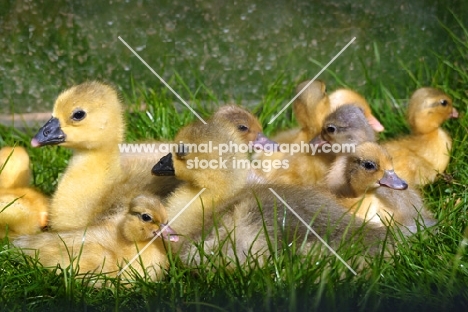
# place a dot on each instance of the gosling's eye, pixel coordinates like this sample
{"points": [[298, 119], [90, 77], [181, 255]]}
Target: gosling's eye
{"points": [[369, 165], [331, 129], [443, 102], [79, 115], [146, 217], [242, 128]]}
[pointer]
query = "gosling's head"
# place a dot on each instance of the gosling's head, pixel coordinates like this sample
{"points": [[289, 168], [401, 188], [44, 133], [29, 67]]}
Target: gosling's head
{"points": [[428, 109], [371, 167], [346, 125], [85, 117], [345, 96], [193, 161], [146, 218]]}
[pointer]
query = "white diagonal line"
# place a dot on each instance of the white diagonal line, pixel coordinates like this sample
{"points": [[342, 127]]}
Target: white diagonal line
{"points": [[313, 232], [310, 82], [162, 80], [162, 230]]}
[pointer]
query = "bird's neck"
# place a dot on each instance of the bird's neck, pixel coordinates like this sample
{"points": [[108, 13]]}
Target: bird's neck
{"points": [[336, 179], [189, 219], [89, 177]]}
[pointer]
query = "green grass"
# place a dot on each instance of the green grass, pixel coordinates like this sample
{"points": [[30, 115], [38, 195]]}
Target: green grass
{"points": [[426, 272]]}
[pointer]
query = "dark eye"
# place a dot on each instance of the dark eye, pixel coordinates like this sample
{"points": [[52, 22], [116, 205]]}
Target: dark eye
{"points": [[242, 128], [146, 217], [443, 102], [369, 165], [79, 115], [331, 129]]}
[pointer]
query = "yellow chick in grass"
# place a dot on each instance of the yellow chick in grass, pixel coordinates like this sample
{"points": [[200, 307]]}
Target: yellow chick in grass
{"points": [[247, 124], [23, 209], [88, 118], [366, 183], [108, 247], [346, 96], [14, 167], [250, 130], [191, 167], [344, 128], [423, 154], [313, 105], [224, 214], [310, 109]]}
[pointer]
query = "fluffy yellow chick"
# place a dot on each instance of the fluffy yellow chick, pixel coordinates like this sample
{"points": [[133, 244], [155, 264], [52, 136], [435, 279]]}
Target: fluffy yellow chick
{"points": [[423, 154], [23, 209], [107, 248]]}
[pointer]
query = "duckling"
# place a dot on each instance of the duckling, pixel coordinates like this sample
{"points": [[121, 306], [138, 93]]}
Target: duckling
{"points": [[18, 172], [88, 118], [228, 216], [251, 133], [346, 96], [108, 247], [420, 156], [344, 128], [23, 209], [366, 183], [246, 223], [137, 179], [314, 105], [247, 124], [192, 167], [310, 108]]}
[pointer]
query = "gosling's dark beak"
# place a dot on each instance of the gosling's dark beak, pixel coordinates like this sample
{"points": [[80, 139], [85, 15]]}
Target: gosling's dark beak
{"points": [[164, 167], [262, 142], [49, 134], [391, 180]]}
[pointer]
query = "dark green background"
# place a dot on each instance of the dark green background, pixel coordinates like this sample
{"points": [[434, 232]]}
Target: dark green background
{"points": [[235, 48]]}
